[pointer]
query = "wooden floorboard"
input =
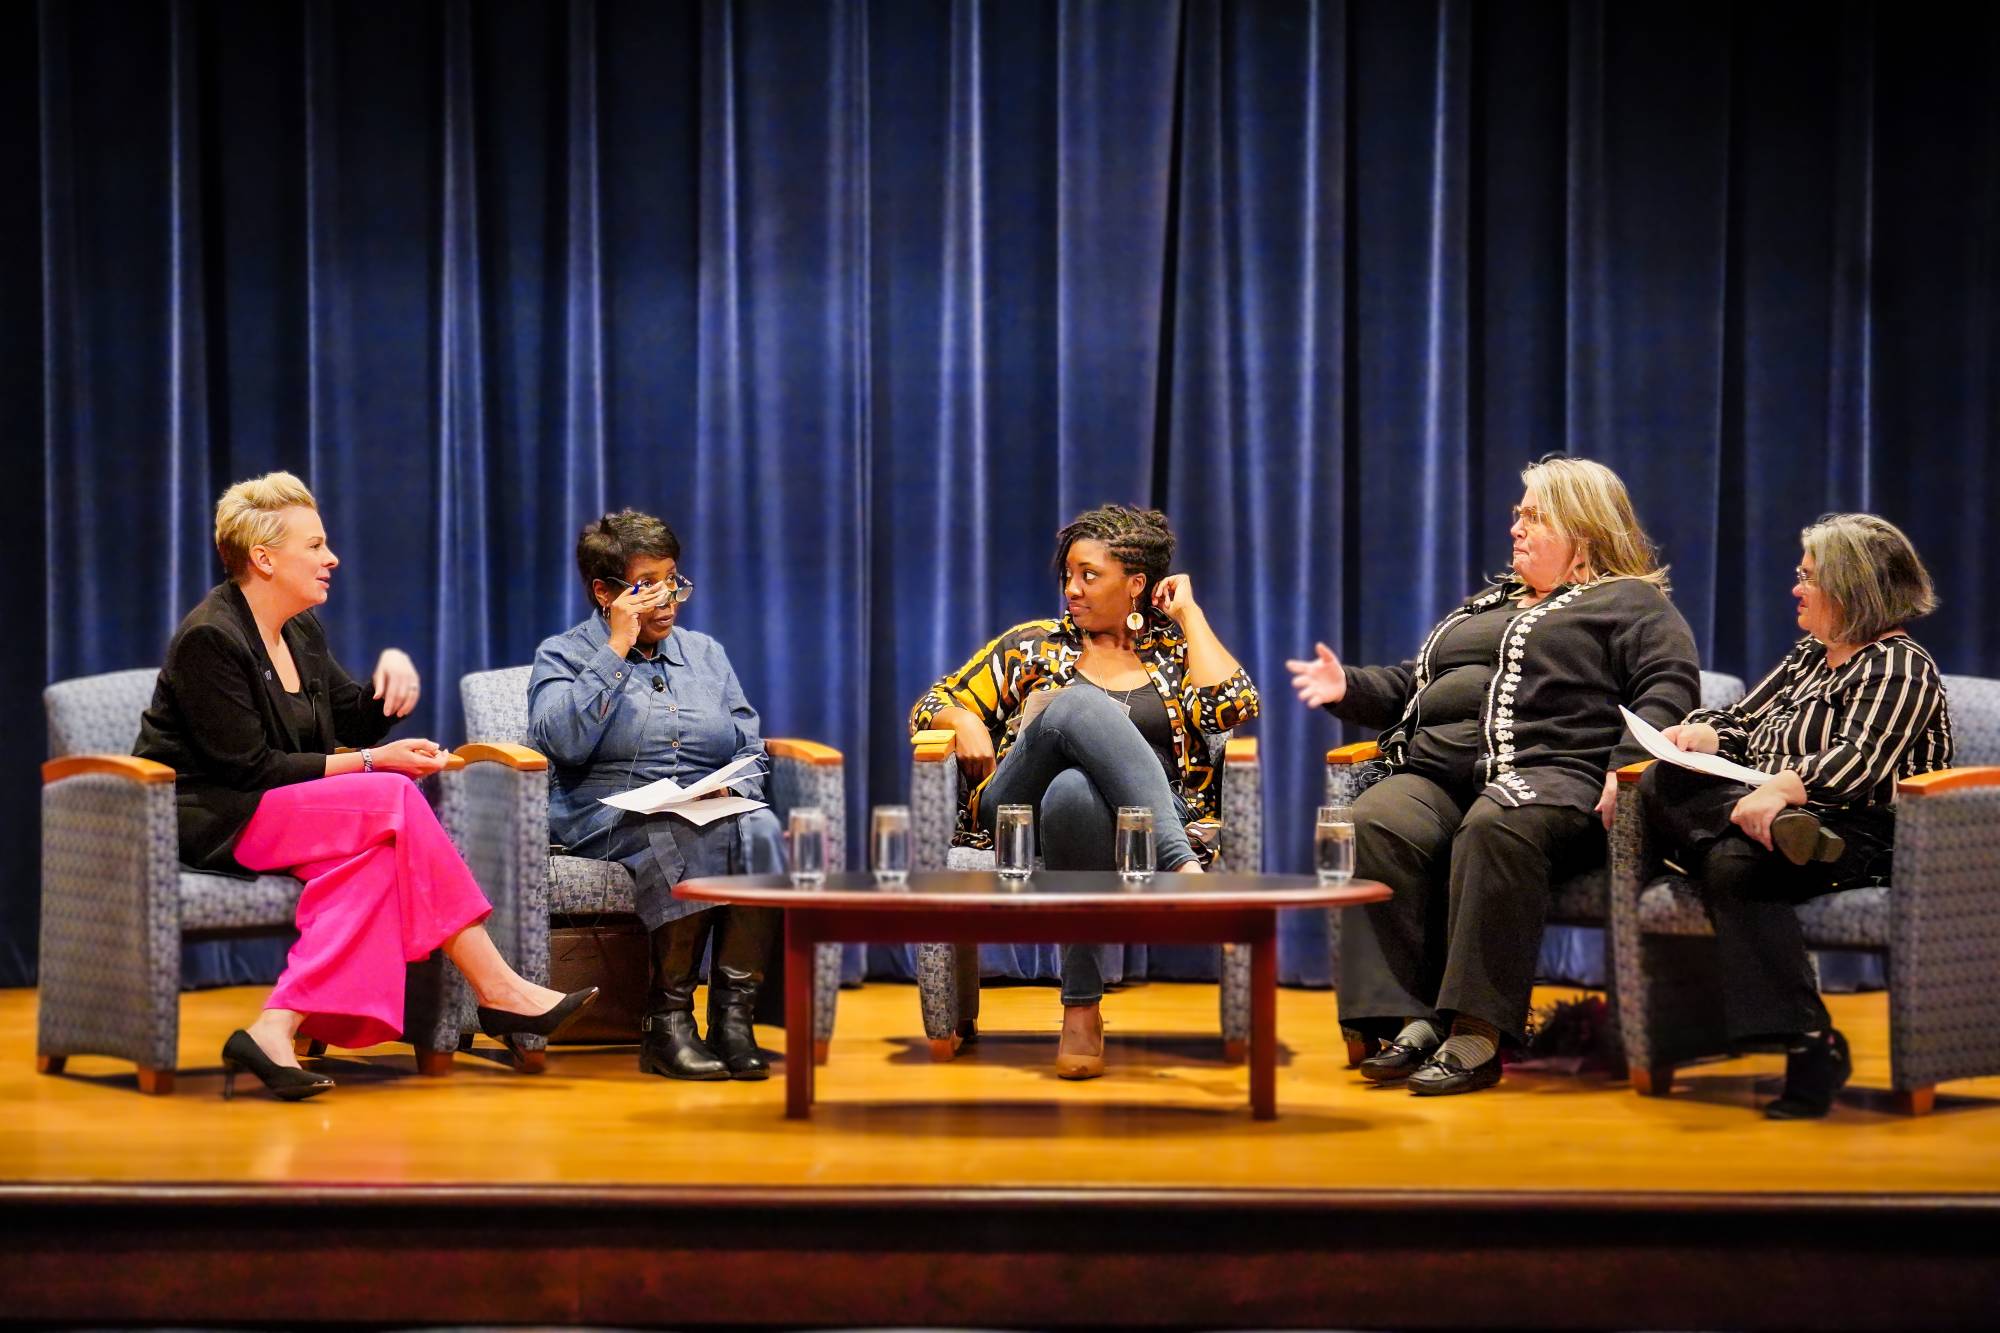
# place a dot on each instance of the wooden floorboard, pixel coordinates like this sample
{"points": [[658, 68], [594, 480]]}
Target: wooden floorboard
{"points": [[986, 1192]]}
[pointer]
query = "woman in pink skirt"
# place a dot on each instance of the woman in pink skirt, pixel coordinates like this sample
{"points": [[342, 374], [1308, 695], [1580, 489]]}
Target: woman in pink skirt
{"points": [[248, 710]]}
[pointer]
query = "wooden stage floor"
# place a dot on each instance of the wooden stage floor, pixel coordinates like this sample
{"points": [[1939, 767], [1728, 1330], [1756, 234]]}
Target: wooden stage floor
{"points": [[980, 1156]]}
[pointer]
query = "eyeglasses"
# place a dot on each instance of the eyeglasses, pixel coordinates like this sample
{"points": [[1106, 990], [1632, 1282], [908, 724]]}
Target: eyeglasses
{"points": [[1530, 515], [1804, 577], [679, 587]]}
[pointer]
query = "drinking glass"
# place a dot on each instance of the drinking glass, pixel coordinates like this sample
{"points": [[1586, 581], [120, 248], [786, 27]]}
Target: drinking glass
{"points": [[805, 839], [1132, 852], [889, 844], [1014, 841], [1333, 844]]}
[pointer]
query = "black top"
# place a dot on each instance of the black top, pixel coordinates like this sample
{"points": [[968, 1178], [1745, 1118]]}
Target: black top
{"points": [[222, 721], [1549, 726], [1149, 714], [1446, 746]]}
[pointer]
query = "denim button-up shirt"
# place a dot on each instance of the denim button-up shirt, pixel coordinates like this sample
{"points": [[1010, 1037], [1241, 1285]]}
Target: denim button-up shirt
{"points": [[609, 724]]}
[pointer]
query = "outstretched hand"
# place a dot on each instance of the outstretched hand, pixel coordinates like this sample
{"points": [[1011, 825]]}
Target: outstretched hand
{"points": [[1320, 680]]}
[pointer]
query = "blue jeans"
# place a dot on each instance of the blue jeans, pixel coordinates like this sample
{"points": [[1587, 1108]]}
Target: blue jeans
{"points": [[1076, 763]]}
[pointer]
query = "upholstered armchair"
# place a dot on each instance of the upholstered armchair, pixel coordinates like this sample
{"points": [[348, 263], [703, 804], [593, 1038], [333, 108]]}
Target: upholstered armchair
{"points": [[803, 773], [1937, 920], [948, 975], [1582, 900], [117, 905]]}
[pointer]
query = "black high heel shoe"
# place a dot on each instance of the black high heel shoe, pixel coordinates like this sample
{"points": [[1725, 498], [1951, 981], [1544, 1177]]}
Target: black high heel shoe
{"points": [[1801, 839], [505, 1025], [287, 1084]]}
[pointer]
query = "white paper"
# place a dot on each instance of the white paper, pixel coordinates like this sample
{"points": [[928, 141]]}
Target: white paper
{"points": [[1712, 764], [667, 795], [705, 812]]}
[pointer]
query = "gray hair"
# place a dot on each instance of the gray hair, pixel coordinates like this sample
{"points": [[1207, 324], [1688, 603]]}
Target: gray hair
{"points": [[1870, 571]]}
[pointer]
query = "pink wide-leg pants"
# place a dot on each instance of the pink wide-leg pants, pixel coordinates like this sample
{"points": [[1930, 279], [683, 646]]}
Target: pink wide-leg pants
{"points": [[384, 887]]}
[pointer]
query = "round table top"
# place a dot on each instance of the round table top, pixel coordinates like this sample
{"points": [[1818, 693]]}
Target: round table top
{"points": [[1081, 890]]}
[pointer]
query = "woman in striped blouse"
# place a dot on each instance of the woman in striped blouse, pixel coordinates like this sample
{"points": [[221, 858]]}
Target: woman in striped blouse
{"points": [[1856, 705]]}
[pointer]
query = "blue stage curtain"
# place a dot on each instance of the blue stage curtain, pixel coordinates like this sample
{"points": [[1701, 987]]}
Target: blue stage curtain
{"points": [[868, 298]]}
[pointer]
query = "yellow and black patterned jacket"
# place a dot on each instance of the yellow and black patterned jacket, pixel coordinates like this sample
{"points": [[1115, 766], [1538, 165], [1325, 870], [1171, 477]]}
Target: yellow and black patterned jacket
{"points": [[1042, 655]]}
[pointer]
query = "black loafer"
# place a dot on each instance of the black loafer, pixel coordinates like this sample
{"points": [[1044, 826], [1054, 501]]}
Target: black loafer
{"points": [[1395, 1062], [1801, 839], [1814, 1072], [1442, 1075]]}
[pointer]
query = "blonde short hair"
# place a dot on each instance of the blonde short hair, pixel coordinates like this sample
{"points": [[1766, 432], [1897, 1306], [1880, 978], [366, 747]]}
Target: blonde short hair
{"points": [[250, 513], [1587, 504], [1871, 572]]}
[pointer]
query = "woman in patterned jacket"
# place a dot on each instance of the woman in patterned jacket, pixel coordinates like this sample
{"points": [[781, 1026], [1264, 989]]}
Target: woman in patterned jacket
{"points": [[1854, 706], [1108, 706], [1503, 734]]}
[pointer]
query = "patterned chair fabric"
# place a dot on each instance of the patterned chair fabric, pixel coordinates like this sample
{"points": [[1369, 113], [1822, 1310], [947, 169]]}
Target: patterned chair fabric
{"points": [[1938, 920], [948, 975], [1581, 900], [496, 710], [117, 904]]}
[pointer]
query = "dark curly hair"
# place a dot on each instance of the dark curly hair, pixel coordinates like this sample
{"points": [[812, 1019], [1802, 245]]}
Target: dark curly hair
{"points": [[1140, 540], [611, 543]]}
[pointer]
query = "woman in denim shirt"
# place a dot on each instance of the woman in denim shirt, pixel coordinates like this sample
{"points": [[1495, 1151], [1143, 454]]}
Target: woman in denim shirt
{"points": [[627, 698]]}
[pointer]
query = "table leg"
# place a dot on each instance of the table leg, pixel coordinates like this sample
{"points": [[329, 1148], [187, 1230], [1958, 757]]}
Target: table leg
{"points": [[1264, 1019], [798, 1016]]}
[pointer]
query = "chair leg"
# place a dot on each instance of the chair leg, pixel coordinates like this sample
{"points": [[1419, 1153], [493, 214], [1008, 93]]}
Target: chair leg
{"points": [[1235, 1051], [433, 1064], [156, 1082], [308, 1048], [50, 1064], [943, 1048], [1358, 1049], [533, 1062], [820, 1051], [1916, 1101], [1656, 1081]]}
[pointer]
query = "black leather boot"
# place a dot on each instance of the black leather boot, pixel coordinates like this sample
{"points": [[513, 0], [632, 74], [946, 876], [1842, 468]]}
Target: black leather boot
{"points": [[744, 939], [669, 1043]]}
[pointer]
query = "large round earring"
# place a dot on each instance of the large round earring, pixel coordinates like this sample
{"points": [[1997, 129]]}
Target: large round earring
{"points": [[1136, 621]]}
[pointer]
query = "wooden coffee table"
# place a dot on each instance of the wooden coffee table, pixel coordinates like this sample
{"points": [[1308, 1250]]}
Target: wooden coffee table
{"points": [[1076, 906]]}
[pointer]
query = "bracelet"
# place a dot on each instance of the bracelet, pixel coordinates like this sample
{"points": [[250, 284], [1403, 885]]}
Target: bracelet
{"points": [[367, 761]]}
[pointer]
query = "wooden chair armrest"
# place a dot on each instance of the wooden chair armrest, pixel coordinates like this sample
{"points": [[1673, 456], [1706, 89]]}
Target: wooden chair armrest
{"points": [[1240, 750], [1948, 779], [808, 752], [117, 765], [517, 757], [930, 747], [1631, 772], [1358, 753]]}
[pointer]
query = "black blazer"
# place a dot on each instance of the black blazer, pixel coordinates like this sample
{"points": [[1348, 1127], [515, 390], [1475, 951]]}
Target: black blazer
{"points": [[219, 717]]}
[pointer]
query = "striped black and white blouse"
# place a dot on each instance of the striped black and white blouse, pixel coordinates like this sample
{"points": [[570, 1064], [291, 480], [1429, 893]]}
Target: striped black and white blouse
{"points": [[1849, 731]]}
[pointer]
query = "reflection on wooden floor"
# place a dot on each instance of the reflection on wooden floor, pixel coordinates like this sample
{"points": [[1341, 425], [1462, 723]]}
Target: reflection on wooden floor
{"points": [[1171, 1114]]}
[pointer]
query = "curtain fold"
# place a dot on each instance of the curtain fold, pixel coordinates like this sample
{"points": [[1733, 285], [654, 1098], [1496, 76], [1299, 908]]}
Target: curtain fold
{"points": [[868, 298]]}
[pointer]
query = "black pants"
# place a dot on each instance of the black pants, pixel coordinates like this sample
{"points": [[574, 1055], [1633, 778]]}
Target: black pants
{"points": [[1471, 884], [1768, 987]]}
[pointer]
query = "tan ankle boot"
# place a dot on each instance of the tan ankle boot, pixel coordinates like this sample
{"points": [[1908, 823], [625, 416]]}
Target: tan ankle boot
{"points": [[1080, 1053]]}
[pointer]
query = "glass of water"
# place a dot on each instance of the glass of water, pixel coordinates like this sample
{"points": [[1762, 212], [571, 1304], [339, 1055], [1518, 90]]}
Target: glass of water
{"points": [[1333, 844], [805, 841], [889, 844], [1132, 852], [1014, 841]]}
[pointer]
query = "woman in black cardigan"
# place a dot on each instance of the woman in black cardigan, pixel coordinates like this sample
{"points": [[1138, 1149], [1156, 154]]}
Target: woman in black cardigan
{"points": [[1502, 735], [248, 710]]}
